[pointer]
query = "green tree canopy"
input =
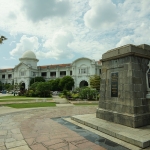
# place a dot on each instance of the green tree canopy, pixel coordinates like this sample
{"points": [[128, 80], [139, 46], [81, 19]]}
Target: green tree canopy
{"points": [[55, 84], [37, 79], [33, 86], [2, 38], [7, 85], [43, 89], [66, 83], [95, 82], [40, 89]]}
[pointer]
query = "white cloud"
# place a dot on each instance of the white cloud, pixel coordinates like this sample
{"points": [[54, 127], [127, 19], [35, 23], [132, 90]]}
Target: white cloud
{"points": [[26, 43], [37, 10], [144, 10], [58, 47], [133, 28], [139, 36], [125, 40], [14, 18], [90, 49], [101, 15], [64, 35]]}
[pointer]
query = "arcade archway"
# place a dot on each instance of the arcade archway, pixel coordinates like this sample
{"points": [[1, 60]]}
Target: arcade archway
{"points": [[83, 83], [22, 87]]}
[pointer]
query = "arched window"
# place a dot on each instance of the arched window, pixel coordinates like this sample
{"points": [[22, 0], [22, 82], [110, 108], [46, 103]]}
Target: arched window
{"points": [[83, 69], [22, 72]]}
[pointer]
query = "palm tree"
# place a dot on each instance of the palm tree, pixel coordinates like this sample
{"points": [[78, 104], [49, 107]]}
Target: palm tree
{"points": [[2, 38]]}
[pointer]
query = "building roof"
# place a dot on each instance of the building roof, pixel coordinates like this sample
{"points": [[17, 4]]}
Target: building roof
{"points": [[99, 62], [7, 69], [55, 66]]}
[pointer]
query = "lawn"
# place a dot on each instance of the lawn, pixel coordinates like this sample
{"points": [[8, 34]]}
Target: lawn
{"points": [[31, 105], [25, 99], [21, 98], [8, 97]]}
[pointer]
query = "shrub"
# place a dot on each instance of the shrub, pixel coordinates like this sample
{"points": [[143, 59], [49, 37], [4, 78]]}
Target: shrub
{"points": [[75, 96], [88, 93], [63, 96]]}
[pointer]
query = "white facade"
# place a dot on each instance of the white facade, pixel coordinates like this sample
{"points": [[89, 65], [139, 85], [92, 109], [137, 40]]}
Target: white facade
{"points": [[80, 70]]}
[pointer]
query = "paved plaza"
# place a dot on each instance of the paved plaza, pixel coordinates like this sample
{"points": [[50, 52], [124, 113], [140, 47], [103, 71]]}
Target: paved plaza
{"points": [[37, 129], [34, 129]]}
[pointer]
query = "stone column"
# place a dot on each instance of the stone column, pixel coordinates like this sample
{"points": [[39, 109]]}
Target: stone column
{"points": [[67, 72], [57, 73]]}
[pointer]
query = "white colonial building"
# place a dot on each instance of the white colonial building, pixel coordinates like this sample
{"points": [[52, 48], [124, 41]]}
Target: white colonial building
{"points": [[81, 69]]}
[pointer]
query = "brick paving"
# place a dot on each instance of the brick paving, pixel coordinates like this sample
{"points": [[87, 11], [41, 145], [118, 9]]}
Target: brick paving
{"points": [[35, 130]]}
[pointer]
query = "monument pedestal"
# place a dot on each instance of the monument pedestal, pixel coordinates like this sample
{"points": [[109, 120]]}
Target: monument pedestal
{"points": [[129, 120], [135, 136], [123, 89]]}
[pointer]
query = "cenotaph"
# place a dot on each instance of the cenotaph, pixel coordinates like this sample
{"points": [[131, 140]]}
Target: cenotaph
{"points": [[125, 86]]}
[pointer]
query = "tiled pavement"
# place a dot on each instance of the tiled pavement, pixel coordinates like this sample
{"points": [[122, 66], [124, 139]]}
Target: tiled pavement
{"points": [[34, 130]]}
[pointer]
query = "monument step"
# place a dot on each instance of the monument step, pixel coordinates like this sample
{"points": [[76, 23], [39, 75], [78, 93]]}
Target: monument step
{"points": [[136, 136]]}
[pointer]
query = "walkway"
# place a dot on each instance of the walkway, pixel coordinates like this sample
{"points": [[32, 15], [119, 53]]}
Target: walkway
{"points": [[60, 100], [34, 130]]}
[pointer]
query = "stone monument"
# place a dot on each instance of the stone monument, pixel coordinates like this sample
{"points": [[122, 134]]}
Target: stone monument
{"points": [[125, 82]]}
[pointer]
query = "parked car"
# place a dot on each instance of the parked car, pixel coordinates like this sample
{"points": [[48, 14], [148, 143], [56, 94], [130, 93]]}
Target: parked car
{"points": [[55, 92], [4, 91]]}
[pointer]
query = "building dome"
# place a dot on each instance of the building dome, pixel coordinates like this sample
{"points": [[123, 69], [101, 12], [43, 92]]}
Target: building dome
{"points": [[29, 54]]}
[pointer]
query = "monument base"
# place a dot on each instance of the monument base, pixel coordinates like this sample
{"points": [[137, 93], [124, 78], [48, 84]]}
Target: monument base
{"points": [[135, 136], [130, 120]]}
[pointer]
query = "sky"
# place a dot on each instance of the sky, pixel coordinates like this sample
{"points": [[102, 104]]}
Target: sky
{"points": [[60, 31]]}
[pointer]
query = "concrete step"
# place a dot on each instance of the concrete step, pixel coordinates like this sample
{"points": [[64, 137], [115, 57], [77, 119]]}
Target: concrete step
{"points": [[136, 136]]}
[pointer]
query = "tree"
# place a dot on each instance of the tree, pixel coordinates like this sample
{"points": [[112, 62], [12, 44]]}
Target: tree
{"points": [[55, 84], [17, 86], [95, 82], [33, 86], [6, 85], [66, 83], [43, 89], [2, 38], [37, 79], [39, 89]]}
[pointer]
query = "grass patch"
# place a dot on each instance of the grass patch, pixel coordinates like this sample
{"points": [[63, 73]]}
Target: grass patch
{"points": [[10, 97], [31, 105], [23, 99], [78, 104]]}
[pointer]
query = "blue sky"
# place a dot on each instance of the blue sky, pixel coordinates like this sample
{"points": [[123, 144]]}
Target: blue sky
{"points": [[60, 31]]}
